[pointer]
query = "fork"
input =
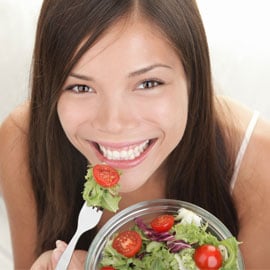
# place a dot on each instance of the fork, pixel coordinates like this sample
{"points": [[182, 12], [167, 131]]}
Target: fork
{"points": [[88, 218]]}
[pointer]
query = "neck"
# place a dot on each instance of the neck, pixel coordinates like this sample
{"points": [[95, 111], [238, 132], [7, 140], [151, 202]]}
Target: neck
{"points": [[154, 188]]}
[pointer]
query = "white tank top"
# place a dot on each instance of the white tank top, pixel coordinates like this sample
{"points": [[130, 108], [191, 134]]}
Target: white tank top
{"points": [[243, 147]]}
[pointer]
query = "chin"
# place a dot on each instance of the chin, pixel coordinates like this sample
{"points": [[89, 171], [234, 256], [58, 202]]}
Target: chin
{"points": [[127, 186]]}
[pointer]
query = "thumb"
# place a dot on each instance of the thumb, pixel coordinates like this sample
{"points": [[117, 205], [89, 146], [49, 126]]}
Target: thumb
{"points": [[57, 252]]}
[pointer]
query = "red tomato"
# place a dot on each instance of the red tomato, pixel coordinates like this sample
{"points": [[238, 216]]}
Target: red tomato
{"points": [[105, 175], [107, 268], [127, 243], [208, 257], [162, 223]]}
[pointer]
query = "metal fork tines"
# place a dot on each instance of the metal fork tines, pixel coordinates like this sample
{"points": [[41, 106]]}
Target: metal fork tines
{"points": [[88, 219]]}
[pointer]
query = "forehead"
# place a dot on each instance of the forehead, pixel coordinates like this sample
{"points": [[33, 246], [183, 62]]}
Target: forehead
{"points": [[136, 40]]}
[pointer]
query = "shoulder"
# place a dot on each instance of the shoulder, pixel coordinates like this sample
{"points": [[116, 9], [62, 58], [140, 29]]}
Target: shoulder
{"points": [[257, 155], [252, 196], [18, 119], [14, 128], [255, 164], [16, 185], [253, 181], [13, 140], [252, 188], [13, 143], [14, 131]]}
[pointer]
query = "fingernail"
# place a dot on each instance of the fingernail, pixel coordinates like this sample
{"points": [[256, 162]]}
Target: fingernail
{"points": [[60, 244]]}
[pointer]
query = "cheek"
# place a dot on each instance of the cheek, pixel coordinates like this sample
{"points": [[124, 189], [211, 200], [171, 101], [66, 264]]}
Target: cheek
{"points": [[174, 119], [172, 112], [174, 131], [70, 115]]}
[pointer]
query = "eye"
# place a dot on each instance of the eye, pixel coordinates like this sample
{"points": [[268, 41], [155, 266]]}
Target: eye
{"points": [[149, 84], [80, 88]]}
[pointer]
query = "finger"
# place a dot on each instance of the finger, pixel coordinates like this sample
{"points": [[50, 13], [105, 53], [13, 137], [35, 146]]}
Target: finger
{"points": [[57, 252], [78, 260], [61, 245], [43, 262]]}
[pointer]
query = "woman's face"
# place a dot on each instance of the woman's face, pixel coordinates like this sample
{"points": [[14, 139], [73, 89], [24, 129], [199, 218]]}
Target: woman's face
{"points": [[125, 102]]}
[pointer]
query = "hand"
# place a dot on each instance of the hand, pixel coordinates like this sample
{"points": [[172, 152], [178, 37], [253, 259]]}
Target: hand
{"points": [[48, 260]]}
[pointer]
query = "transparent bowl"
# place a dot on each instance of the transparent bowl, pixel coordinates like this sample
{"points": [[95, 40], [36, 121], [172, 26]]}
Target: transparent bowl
{"points": [[146, 211]]}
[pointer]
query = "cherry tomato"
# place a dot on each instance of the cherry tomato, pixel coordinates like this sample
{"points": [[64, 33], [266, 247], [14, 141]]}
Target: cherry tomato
{"points": [[208, 257], [162, 223], [127, 243], [105, 175], [107, 268]]}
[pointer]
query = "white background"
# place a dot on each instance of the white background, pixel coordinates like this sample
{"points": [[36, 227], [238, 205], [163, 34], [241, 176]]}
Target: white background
{"points": [[239, 40], [238, 34]]}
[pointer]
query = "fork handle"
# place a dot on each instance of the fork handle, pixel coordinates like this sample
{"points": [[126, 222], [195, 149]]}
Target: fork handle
{"points": [[67, 254]]}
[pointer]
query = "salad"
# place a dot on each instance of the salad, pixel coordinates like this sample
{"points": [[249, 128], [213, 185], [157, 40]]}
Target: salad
{"points": [[101, 187], [180, 241]]}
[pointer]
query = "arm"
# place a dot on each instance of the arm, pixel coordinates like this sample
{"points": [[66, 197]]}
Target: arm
{"points": [[252, 195], [16, 189], [15, 184]]}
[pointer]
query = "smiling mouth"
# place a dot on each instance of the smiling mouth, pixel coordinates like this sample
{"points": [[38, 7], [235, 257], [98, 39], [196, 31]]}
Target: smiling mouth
{"points": [[125, 153]]}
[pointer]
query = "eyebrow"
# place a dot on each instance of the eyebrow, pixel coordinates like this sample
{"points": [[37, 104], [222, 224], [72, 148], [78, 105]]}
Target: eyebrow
{"points": [[81, 77], [131, 74], [146, 69]]}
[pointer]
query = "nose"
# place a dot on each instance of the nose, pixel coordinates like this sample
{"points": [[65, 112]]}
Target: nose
{"points": [[114, 115]]}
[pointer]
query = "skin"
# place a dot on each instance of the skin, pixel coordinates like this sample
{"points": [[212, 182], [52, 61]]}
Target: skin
{"points": [[118, 111]]}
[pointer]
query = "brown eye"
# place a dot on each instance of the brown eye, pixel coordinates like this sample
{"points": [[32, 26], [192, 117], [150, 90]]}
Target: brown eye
{"points": [[80, 88], [149, 84]]}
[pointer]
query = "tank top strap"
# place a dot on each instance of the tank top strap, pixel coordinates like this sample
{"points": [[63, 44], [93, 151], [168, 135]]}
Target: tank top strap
{"points": [[243, 147]]}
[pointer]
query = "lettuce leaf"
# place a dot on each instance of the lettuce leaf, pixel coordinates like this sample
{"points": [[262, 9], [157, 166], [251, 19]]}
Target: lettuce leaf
{"points": [[96, 195], [231, 244], [156, 255]]}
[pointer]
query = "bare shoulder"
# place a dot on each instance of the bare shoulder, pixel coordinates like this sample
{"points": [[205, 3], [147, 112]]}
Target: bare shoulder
{"points": [[238, 117], [13, 140], [15, 126], [254, 169], [17, 119], [15, 184], [252, 189]]}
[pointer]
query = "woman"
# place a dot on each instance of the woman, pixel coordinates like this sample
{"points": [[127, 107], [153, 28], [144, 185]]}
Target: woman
{"points": [[111, 76]]}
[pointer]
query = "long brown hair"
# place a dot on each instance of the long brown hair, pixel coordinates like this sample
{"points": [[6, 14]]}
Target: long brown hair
{"points": [[200, 167]]}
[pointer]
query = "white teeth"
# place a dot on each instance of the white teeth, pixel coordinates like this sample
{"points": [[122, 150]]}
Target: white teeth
{"points": [[128, 154]]}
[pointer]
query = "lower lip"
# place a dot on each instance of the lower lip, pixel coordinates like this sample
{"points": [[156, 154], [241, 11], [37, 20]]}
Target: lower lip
{"points": [[125, 164]]}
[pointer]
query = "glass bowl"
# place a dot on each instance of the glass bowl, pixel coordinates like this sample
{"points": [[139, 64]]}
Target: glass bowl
{"points": [[146, 210]]}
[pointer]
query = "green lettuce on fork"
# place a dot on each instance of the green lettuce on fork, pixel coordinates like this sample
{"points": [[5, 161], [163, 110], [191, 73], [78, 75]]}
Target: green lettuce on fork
{"points": [[101, 188]]}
